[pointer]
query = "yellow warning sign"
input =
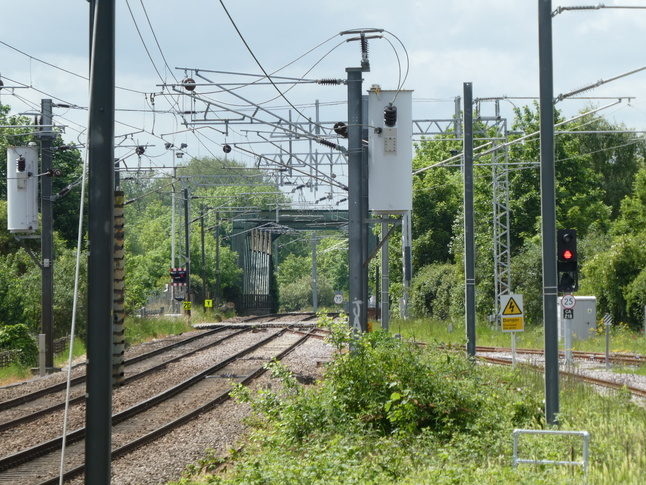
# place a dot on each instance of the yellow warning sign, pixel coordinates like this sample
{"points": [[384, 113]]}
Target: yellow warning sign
{"points": [[512, 308], [512, 324], [511, 318]]}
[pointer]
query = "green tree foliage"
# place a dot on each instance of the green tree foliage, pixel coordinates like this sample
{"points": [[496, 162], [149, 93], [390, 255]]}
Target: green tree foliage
{"points": [[596, 162], [295, 270], [437, 292], [437, 202], [18, 337], [216, 188]]}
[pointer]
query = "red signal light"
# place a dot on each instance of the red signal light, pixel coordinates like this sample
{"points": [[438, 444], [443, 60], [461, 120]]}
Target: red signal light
{"points": [[567, 254]]}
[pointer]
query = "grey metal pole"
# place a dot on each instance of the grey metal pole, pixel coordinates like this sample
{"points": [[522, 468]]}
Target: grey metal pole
{"points": [[203, 255], [47, 234], [355, 215], [548, 210], [217, 260], [469, 237], [98, 440], [187, 229], [315, 297], [385, 283], [365, 213]]}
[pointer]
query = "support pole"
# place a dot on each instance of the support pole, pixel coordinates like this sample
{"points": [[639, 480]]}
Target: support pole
{"points": [[385, 283], [407, 260], [47, 234], [355, 215], [548, 211], [469, 224], [98, 440], [203, 254], [187, 229], [217, 260], [315, 297]]}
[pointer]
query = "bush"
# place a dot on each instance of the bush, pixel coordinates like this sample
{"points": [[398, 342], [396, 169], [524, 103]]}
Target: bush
{"points": [[297, 295], [17, 337], [437, 292], [384, 411]]}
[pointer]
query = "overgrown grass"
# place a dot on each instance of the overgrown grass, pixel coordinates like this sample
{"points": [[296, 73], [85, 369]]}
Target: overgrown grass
{"points": [[390, 412], [622, 339], [61, 359], [139, 330], [14, 373]]}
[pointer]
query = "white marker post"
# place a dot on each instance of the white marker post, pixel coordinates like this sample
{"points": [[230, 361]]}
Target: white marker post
{"points": [[607, 321], [567, 304]]}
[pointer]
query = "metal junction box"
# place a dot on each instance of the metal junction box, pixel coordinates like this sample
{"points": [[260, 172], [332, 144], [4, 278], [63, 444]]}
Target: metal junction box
{"points": [[582, 310], [390, 154]]}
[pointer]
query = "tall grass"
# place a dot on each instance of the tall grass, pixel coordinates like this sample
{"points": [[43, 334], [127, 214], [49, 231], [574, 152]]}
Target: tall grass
{"points": [[339, 432], [139, 330], [622, 339]]}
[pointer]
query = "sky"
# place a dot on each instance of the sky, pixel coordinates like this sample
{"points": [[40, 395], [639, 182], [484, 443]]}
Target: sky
{"points": [[431, 47]]}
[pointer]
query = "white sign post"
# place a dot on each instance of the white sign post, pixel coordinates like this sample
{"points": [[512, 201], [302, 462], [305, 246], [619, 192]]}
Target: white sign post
{"points": [[568, 302]]}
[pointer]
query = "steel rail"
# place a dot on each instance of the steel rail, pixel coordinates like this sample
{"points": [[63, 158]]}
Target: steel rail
{"points": [[170, 426], [32, 396], [80, 399]]}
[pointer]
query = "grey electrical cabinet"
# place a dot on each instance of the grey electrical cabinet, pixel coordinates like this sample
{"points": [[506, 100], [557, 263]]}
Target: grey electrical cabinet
{"points": [[582, 311]]}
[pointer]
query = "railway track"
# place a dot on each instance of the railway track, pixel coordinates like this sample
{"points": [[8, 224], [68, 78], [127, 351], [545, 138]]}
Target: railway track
{"points": [[31, 407], [624, 359], [636, 391], [154, 417]]}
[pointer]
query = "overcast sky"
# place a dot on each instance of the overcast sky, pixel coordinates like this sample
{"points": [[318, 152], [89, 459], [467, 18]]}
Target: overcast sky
{"points": [[491, 43]]}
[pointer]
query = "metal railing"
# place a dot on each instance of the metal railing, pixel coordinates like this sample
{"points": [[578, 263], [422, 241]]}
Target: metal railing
{"points": [[583, 463]]}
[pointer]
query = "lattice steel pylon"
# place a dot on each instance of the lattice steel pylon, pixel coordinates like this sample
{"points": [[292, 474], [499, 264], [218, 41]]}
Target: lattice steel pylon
{"points": [[501, 226]]}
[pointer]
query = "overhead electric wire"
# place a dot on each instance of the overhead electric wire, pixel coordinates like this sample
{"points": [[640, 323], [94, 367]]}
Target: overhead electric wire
{"points": [[257, 61], [152, 30]]}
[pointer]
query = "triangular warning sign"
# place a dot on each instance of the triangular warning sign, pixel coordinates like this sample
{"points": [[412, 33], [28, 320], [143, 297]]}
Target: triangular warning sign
{"points": [[512, 308]]}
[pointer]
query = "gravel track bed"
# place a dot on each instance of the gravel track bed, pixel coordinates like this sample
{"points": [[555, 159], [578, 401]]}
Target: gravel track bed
{"points": [[18, 389], [51, 426], [130, 370], [218, 430]]}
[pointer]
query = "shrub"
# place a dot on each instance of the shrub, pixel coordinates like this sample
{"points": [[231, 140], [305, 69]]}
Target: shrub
{"points": [[18, 337], [437, 292]]}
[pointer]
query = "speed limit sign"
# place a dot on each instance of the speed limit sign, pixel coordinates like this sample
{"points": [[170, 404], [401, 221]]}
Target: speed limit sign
{"points": [[338, 298], [568, 301]]}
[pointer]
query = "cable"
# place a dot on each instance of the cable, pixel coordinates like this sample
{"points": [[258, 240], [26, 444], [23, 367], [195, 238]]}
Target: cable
{"points": [[258, 62], [79, 242], [156, 41], [59, 68]]}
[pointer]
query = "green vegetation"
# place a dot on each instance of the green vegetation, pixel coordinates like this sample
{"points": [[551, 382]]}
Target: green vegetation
{"points": [[391, 412], [144, 329], [61, 359], [622, 338], [17, 337]]}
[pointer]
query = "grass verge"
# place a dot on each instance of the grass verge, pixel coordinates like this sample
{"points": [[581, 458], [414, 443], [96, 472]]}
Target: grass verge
{"points": [[390, 412]]}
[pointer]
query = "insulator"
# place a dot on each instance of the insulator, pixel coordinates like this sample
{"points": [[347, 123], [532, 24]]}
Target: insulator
{"points": [[390, 115], [330, 82], [341, 129], [327, 143], [189, 84], [226, 148], [364, 45], [21, 163], [1, 84]]}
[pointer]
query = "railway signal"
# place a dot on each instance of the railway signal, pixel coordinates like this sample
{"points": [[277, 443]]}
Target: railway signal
{"points": [[567, 260]]}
